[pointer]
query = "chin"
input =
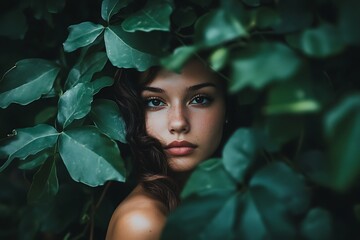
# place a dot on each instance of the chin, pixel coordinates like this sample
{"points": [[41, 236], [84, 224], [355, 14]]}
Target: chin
{"points": [[181, 165]]}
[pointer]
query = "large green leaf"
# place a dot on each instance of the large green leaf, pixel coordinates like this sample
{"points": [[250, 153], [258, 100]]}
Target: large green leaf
{"points": [[279, 195], [239, 153], [178, 58], [122, 49], [217, 27], [90, 156], [13, 24], [155, 15], [208, 215], [45, 183], [36, 160], [249, 219], [75, 103], [84, 70], [209, 175], [27, 81], [317, 225], [28, 141], [111, 7], [321, 42], [100, 83], [81, 35], [260, 64], [342, 129], [106, 116], [292, 97]]}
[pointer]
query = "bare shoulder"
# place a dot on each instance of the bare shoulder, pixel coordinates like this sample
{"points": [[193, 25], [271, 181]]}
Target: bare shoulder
{"points": [[137, 217]]}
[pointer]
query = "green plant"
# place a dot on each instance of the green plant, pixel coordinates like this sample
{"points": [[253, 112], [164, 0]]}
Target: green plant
{"points": [[291, 174]]}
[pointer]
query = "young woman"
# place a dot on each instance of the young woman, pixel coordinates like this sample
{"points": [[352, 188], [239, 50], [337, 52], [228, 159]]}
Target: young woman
{"points": [[174, 122]]}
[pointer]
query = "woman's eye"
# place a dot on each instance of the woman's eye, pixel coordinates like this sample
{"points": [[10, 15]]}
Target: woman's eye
{"points": [[154, 103], [200, 100]]}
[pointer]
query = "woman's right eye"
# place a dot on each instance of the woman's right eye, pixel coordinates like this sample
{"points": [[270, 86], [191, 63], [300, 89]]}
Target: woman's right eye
{"points": [[154, 102]]}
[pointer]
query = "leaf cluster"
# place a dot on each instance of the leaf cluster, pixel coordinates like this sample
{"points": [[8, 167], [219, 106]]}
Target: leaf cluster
{"points": [[291, 166]]}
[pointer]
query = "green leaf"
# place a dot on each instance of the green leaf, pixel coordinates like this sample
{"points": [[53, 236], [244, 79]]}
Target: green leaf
{"points": [[239, 153], [45, 183], [291, 97], [211, 214], [13, 24], [155, 15], [45, 115], [27, 81], [218, 27], [90, 156], [317, 225], [219, 58], [342, 130], [100, 83], [34, 161], [178, 58], [86, 67], [111, 7], [250, 218], [106, 116], [264, 17], [81, 35], [75, 103], [260, 64], [28, 141], [279, 195], [122, 49], [323, 41], [208, 175]]}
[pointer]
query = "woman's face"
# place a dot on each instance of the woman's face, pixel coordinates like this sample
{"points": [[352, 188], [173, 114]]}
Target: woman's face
{"points": [[186, 113]]}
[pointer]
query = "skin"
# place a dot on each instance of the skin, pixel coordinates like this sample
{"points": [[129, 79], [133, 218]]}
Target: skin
{"points": [[179, 107]]}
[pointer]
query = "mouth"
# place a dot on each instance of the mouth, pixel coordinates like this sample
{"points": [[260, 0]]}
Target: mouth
{"points": [[180, 148]]}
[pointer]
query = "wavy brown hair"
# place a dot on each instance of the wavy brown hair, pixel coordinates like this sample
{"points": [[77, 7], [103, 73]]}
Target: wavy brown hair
{"points": [[149, 162]]}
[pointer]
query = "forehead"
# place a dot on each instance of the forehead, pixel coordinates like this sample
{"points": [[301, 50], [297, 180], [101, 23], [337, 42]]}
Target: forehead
{"points": [[192, 74]]}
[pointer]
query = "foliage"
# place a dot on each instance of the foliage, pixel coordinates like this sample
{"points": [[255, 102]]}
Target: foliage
{"points": [[289, 172]]}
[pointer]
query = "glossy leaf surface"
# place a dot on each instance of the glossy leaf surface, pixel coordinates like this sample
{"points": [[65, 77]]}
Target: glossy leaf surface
{"points": [[107, 117], [81, 35], [120, 50], [155, 15], [84, 70], [27, 81], [28, 141], [74, 104], [90, 156]]}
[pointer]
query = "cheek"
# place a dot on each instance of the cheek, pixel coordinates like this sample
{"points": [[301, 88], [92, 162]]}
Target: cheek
{"points": [[155, 123], [210, 126]]}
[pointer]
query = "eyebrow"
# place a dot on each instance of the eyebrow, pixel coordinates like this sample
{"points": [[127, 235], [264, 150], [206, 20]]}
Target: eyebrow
{"points": [[190, 89]]}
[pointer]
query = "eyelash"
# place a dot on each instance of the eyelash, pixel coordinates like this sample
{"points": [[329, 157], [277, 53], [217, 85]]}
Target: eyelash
{"points": [[147, 101]]}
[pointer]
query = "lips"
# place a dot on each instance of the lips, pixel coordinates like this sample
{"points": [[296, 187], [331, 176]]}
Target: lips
{"points": [[180, 148]]}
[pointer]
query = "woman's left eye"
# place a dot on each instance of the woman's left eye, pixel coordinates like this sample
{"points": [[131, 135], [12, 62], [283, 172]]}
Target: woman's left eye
{"points": [[203, 100]]}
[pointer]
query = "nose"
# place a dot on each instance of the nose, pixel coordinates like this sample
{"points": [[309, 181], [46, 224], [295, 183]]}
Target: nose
{"points": [[178, 120]]}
